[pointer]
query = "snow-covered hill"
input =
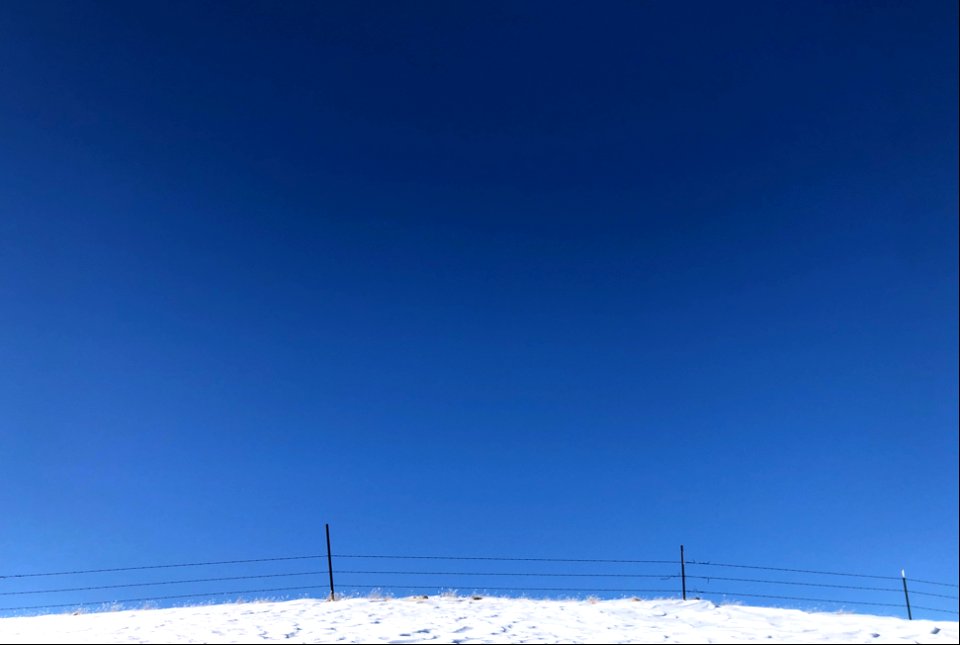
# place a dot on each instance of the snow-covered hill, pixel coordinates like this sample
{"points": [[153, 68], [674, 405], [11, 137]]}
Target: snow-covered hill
{"points": [[445, 619]]}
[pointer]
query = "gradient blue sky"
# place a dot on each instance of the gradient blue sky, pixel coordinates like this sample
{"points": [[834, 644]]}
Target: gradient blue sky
{"points": [[549, 279]]}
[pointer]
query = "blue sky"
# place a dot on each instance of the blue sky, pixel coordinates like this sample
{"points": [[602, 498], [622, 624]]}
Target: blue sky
{"points": [[490, 279]]}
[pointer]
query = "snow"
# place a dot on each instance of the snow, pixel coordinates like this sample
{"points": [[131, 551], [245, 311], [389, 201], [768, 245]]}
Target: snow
{"points": [[451, 619]]}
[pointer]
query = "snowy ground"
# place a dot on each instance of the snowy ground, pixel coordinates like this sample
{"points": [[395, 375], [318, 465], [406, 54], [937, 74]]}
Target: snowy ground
{"points": [[472, 620]]}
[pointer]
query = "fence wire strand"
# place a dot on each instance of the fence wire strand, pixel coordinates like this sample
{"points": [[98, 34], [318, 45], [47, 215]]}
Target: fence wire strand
{"points": [[668, 576], [499, 559], [89, 603], [808, 571], [162, 582], [760, 595], [939, 584], [835, 602], [574, 589], [787, 582], [158, 566]]}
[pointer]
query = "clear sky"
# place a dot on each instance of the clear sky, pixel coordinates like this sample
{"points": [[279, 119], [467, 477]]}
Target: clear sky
{"points": [[527, 279]]}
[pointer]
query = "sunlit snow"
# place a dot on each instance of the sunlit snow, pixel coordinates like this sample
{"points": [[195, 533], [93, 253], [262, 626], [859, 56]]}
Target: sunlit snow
{"points": [[451, 619]]}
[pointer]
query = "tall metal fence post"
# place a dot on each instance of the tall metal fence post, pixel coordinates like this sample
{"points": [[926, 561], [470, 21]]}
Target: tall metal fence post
{"points": [[683, 573], [903, 576], [330, 563]]}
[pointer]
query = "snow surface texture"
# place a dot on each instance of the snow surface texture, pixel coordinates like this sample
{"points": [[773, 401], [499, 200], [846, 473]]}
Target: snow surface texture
{"points": [[470, 620]]}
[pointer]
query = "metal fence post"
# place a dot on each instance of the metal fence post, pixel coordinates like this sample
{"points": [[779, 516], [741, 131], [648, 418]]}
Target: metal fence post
{"points": [[903, 576], [330, 563], [683, 573]]}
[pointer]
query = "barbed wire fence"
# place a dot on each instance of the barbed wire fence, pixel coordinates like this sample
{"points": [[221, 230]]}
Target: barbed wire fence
{"points": [[315, 576]]}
